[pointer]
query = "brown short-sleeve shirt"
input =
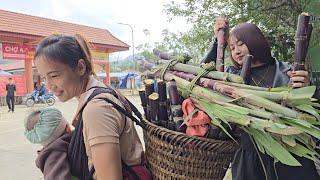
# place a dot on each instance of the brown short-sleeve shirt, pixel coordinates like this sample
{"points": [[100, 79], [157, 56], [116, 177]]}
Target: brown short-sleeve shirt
{"points": [[102, 123]]}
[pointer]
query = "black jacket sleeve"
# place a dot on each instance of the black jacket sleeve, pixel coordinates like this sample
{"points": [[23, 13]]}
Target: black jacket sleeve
{"points": [[211, 54]]}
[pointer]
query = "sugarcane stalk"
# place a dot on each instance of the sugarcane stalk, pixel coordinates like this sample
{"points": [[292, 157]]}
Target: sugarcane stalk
{"points": [[301, 41], [161, 55], [145, 64], [246, 69], [175, 107], [220, 50], [154, 108], [163, 108], [244, 86], [252, 99], [189, 77], [174, 96], [309, 32], [285, 96], [213, 74], [143, 100], [149, 89]]}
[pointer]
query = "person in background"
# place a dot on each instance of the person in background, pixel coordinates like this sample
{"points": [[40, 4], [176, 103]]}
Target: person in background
{"points": [[10, 88], [266, 71], [42, 91]]}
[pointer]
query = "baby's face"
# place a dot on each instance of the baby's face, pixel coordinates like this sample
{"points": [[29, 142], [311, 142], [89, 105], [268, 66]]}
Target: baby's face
{"points": [[33, 121]]}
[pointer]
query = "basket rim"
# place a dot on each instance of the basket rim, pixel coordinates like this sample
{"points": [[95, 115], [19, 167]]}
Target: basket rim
{"points": [[183, 135]]}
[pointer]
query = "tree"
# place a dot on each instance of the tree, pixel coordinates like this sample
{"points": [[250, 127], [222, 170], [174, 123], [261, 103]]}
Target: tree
{"points": [[277, 19]]}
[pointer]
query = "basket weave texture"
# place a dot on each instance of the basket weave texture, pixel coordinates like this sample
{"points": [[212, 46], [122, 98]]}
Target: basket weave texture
{"points": [[174, 155]]}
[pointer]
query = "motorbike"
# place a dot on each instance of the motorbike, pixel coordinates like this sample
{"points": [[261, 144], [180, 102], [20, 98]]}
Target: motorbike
{"points": [[47, 98]]}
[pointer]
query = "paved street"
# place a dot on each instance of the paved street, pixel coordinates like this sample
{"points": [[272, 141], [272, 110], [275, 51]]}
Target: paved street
{"points": [[17, 155]]}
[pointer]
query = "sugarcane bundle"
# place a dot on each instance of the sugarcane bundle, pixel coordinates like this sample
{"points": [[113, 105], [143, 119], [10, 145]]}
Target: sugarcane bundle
{"points": [[281, 121]]}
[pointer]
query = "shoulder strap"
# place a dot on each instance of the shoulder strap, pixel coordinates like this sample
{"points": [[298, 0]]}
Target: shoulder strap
{"points": [[99, 90]]}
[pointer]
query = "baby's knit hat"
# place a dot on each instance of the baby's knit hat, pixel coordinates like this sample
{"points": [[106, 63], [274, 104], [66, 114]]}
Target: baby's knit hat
{"points": [[48, 128]]}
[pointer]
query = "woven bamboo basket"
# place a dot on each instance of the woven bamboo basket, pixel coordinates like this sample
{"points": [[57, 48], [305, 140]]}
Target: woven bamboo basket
{"points": [[174, 155]]}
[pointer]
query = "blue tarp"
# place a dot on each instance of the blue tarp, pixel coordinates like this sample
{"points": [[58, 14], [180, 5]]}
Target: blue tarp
{"points": [[123, 78], [4, 73]]}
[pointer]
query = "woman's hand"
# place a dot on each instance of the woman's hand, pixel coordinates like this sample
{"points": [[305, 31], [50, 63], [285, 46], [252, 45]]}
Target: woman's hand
{"points": [[299, 78], [221, 22]]}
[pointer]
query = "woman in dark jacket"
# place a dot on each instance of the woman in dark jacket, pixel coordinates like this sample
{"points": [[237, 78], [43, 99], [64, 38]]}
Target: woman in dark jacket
{"points": [[266, 71]]}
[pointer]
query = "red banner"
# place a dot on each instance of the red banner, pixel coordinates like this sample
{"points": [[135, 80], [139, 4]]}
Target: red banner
{"points": [[1, 51], [16, 51]]}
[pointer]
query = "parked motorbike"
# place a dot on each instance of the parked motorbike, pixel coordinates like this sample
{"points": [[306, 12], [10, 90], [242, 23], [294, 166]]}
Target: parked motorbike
{"points": [[48, 99]]}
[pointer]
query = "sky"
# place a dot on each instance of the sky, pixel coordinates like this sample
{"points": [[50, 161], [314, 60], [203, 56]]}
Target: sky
{"points": [[107, 14]]}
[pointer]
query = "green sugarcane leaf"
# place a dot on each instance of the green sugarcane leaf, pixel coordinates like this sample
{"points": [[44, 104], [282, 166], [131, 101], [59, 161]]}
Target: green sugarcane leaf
{"points": [[260, 147], [300, 96], [309, 109], [313, 99], [273, 148], [314, 104], [280, 89], [259, 124], [309, 118], [301, 151], [303, 126], [297, 121], [224, 114], [239, 110], [289, 140], [299, 101], [282, 129], [306, 140], [213, 117], [304, 92]]}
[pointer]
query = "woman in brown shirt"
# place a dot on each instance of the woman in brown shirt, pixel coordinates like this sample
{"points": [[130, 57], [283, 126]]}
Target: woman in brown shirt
{"points": [[109, 137]]}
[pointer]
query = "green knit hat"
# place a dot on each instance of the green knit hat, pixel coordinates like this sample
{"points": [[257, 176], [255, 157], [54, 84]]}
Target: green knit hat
{"points": [[48, 128]]}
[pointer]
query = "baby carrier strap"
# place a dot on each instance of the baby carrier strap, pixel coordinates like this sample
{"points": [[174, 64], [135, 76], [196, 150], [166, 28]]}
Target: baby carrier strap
{"points": [[77, 155]]}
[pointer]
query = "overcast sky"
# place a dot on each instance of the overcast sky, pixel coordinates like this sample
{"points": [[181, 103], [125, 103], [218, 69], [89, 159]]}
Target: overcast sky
{"points": [[141, 14]]}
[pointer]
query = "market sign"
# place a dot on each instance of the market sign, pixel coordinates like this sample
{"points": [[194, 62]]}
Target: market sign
{"points": [[17, 51], [98, 55]]}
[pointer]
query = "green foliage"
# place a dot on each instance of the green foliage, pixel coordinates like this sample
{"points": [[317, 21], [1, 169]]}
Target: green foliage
{"points": [[120, 66], [276, 18]]}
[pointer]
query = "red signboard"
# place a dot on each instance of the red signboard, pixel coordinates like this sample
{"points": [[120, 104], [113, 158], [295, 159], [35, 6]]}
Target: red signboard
{"points": [[16, 51], [1, 51]]}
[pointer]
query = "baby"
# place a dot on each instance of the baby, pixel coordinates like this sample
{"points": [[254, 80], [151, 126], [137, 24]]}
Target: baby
{"points": [[49, 128]]}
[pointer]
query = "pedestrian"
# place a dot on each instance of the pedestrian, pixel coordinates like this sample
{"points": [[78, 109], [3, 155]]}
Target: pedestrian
{"points": [[266, 71], [108, 138], [10, 88]]}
